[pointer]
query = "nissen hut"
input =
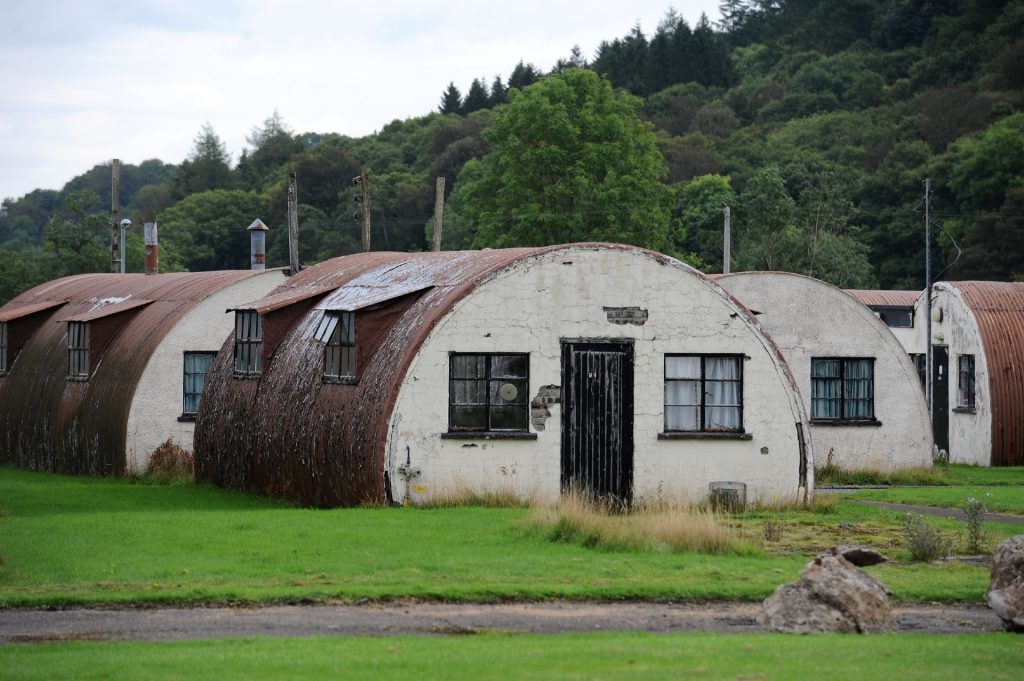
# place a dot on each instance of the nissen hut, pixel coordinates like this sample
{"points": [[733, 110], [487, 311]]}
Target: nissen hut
{"points": [[398, 377], [97, 370], [866, 406]]}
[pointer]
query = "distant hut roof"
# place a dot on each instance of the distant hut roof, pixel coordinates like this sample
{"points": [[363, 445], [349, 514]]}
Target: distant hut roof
{"points": [[885, 298]]}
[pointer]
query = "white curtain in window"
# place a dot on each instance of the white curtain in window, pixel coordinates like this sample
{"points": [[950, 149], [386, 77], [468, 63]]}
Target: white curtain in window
{"points": [[722, 393], [859, 388]]}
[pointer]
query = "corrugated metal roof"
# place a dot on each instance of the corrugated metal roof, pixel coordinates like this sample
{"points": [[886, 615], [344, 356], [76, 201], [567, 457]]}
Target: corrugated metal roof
{"points": [[80, 427], [289, 434], [998, 308], [11, 311], [105, 308], [885, 298]]}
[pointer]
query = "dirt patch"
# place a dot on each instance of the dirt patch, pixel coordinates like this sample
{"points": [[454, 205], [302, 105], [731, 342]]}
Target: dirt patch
{"points": [[444, 619]]}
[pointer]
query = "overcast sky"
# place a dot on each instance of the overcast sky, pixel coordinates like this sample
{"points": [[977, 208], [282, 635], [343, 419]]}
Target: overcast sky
{"points": [[84, 81]]}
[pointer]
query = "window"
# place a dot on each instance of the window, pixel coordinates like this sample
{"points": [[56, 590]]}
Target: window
{"points": [[703, 393], [338, 331], [920, 363], [965, 382], [842, 389], [248, 343], [197, 365], [488, 392], [897, 317], [3, 348], [78, 351]]}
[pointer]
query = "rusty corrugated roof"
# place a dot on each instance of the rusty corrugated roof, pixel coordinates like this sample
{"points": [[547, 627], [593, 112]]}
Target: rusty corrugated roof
{"points": [[12, 311], [49, 423], [105, 308], [998, 308], [290, 434], [885, 298]]}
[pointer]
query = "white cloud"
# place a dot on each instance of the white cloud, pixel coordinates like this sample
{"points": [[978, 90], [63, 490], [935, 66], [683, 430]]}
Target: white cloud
{"points": [[84, 82]]}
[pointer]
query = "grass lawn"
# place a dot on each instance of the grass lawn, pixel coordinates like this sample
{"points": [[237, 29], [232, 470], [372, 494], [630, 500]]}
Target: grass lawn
{"points": [[998, 499], [569, 656], [66, 540]]}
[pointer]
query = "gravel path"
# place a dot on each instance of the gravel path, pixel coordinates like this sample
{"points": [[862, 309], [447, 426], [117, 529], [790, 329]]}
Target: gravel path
{"points": [[375, 619]]}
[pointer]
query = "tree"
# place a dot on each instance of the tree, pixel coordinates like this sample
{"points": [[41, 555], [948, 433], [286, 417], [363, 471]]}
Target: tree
{"points": [[697, 224], [451, 100], [766, 233], [499, 93], [571, 161], [208, 166], [523, 75], [476, 98], [207, 231], [272, 146]]}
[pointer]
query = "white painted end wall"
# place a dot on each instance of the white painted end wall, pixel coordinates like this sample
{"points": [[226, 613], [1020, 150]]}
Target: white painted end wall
{"points": [[159, 396], [808, 318], [534, 305]]}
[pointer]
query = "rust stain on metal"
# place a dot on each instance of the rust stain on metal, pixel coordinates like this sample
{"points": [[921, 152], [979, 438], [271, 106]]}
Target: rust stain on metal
{"points": [[293, 436], [79, 427], [998, 308], [885, 298]]}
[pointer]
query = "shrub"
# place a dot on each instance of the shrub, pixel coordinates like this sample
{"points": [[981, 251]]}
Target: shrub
{"points": [[974, 511], [922, 539], [171, 463]]}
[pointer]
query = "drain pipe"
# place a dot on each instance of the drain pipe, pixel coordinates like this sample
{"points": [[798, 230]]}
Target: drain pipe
{"points": [[152, 248]]}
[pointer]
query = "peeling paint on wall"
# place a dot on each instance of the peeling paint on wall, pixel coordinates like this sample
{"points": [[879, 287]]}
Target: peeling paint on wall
{"points": [[626, 315], [539, 412]]}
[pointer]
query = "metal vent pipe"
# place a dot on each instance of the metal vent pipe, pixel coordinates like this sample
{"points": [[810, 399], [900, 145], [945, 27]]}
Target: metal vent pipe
{"points": [[258, 245], [152, 249]]}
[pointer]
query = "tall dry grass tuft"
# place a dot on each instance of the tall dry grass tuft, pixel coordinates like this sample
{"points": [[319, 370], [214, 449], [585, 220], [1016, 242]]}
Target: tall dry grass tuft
{"points": [[834, 475], [171, 463], [462, 495], [578, 518]]}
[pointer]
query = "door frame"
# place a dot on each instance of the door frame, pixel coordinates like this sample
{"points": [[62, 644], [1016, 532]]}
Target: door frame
{"points": [[626, 418]]}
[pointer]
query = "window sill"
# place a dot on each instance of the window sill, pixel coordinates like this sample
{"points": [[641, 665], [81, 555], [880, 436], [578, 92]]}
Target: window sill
{"points": [[340, 380], [488, 435], [697, 435], [247, 377], [187, 418], [964, 410], [874, 423]]}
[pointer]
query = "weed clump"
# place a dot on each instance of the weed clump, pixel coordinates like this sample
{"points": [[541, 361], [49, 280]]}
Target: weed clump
{"points": [[834, 475], [974, 511], [578, 518], [922, 539], [171, 463]]}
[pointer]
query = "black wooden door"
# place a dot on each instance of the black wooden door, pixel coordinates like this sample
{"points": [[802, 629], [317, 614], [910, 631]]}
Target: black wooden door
{"points": [[940, 396], [597, 419]]}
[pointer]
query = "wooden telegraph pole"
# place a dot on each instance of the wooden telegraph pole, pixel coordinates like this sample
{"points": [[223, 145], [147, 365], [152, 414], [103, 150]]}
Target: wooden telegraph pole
{"points": [[366, 210], [438, 213], [293, 225], [727, 241], [115, 222]]}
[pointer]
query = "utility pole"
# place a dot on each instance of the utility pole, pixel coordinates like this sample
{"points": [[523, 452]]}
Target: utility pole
{"points": [[363, 197], [928, 363], [438, 212], [115, 224], [293, 225], [727, 240]]}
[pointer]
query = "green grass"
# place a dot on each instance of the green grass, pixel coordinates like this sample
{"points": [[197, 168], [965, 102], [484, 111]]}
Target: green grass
{"points": [[998, 499], [79, 540], [945, 475], [908, 657]]}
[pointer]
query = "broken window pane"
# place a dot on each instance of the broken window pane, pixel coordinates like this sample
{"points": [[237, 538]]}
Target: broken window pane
{"points": [[488, 392]]}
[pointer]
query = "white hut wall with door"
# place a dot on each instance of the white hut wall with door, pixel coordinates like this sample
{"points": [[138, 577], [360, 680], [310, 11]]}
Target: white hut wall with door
{"points": [[863, 393], [160, 408], [685, 336]]}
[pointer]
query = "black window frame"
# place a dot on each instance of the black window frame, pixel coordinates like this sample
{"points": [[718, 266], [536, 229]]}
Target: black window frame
{"points": [[884, 310], [330, 334], [247, 346], [843, 418], [703, 427], [966, 396], [79, 368], [3, 348], [524, 405], [187, 415]]}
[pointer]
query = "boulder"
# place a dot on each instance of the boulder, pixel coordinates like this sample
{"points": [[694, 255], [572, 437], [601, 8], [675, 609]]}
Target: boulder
{"points": [[1006, 591], [861, 556], [833, 595]]}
